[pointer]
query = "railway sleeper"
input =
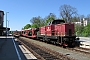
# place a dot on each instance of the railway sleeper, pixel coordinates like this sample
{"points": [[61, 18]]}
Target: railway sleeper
{"points": [[47, 53]]}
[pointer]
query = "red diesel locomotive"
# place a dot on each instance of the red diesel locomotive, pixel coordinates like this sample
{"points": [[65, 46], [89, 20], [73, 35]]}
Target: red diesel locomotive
{"points": [[57, 32]]}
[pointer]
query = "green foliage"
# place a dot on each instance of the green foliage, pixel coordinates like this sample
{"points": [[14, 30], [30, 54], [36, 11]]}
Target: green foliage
{"points": [[82, 30], [78, 29], [27, 26], [86, 31], [37, 22], [50, 18], [34, 26]]}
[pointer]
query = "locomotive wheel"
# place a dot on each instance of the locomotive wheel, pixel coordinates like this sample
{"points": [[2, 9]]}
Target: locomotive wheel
{"points": [[64, 46], [54, 43]]}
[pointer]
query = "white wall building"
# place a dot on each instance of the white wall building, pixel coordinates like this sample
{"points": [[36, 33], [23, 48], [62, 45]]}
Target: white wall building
{"points": [[85, 22], [79, 23]]}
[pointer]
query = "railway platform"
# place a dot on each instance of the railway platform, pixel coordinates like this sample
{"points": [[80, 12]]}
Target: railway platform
{"points": [[10, 49]]}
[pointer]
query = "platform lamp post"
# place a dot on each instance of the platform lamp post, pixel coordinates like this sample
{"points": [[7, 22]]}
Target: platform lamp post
{"points": [[6, 24]]}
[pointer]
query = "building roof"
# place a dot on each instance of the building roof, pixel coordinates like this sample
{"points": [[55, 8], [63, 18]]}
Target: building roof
{"points": [[4, 28], [2, 11]]}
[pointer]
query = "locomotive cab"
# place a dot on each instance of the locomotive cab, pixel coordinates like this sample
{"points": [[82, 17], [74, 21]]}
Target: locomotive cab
{"points": [[54, 22]]}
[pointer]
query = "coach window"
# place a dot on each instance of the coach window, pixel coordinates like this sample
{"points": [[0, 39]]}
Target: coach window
{"points": [[30, 33], [24, 32]]}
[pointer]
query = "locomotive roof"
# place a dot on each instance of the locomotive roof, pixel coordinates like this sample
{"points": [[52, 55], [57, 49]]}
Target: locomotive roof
{"points": [[58, 19]]}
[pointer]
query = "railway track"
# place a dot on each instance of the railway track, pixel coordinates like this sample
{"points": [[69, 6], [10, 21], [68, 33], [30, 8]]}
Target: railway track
{"points": [[81, 50], [43, 53], [78, 49]]}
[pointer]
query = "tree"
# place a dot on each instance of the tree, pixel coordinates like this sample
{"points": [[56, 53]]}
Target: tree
{"points": [[37, 22], [75, 19], [67, 12], [34, 26], [88, 16], [86, 30], [22, 29], [50, 18], [27, 26]]}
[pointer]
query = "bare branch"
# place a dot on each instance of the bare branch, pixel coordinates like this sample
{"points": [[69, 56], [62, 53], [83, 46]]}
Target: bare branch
{"points": [[67, 12]]}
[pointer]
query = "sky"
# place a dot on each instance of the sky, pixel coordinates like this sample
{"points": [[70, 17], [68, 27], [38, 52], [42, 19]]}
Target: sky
{"points": [[21, 11]]}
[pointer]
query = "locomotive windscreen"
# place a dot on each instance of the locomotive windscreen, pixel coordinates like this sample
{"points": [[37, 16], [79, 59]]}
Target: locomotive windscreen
{"points": [[58, 22]]}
